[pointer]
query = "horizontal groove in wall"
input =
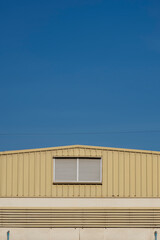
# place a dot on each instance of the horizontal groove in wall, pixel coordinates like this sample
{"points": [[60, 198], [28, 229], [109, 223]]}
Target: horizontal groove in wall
{"points": [[80, 218]]}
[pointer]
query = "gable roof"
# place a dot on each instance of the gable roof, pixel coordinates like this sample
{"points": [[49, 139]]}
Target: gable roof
{"points": [[79, 146]]}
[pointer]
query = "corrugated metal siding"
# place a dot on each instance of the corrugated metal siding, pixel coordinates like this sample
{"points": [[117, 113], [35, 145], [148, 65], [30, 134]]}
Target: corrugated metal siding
{"points": [[124, 174], [86, 217]]}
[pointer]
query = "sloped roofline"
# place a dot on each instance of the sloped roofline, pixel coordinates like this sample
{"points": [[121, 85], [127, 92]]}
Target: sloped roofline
{"points": [[78, 146]]}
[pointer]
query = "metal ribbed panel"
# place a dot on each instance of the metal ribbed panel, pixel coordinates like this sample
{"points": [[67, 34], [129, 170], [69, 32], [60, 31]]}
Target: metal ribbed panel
{"points": [[125, 173], [102, 218]]}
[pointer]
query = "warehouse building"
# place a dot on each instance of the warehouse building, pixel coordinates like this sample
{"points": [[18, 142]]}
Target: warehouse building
{"points": [[79, 193]]}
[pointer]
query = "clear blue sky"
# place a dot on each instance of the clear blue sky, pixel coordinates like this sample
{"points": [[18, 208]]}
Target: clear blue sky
{"points": [[79, 66]]}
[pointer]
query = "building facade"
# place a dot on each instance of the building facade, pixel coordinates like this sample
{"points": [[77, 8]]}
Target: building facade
{"points": [[80, 193]]}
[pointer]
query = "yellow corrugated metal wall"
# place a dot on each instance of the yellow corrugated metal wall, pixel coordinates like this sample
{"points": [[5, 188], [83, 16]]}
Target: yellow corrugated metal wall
{"points": [[124, 173]]}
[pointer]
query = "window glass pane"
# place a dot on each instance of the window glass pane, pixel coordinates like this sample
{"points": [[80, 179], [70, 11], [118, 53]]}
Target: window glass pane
{"points": [[65, 170], [89, 170]]}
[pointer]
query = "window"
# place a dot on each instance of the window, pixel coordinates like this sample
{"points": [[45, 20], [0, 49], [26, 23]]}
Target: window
{"points": [[77, 170]]}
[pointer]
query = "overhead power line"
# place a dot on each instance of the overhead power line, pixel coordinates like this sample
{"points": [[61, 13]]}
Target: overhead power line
{"points": [[81, 133]]}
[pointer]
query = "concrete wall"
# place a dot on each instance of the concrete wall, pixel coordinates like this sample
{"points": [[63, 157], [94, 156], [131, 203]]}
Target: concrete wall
{"points": [[80, 202], [79, 234]]}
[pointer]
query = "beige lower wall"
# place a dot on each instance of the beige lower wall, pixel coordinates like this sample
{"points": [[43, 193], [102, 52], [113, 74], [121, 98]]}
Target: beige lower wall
{"points": [[80, 202], [79, 234]]}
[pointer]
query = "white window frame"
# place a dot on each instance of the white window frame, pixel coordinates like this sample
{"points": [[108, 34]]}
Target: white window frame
{"points": [[77, 182]]}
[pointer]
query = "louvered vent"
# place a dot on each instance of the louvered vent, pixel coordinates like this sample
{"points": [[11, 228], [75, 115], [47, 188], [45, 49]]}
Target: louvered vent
{"points": [[77, 170], [66, 170], [89, 170]]}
